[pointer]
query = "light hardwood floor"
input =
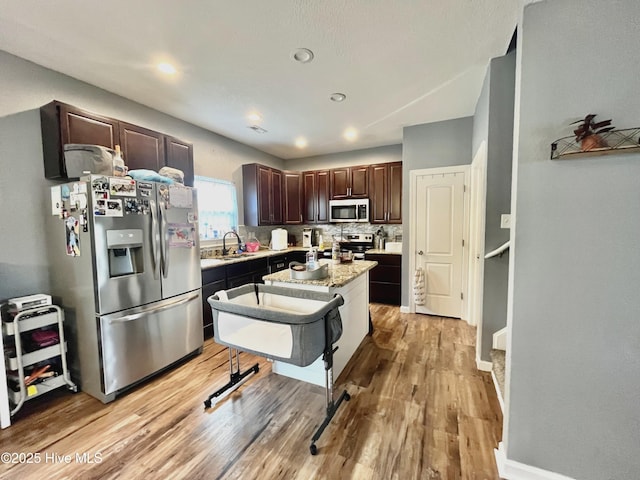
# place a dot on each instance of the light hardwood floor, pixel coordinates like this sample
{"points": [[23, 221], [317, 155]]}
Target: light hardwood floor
{"points": [[419, 409]]}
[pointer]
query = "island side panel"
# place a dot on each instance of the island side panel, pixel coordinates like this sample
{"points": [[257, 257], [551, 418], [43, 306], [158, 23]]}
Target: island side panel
{"points": [[355, 326]]}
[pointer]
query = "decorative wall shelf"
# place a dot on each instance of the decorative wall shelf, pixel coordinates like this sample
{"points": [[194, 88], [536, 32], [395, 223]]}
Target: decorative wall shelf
{"points": [[618, 141]]}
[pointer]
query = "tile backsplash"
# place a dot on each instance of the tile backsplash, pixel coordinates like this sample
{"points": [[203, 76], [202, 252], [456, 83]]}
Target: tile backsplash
{"points": [[263, 234]]}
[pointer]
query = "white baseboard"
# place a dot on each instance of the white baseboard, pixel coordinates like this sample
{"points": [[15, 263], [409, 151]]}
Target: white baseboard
{"points": [[483, 365], [404, 309], [512, 470], [500, 339]]}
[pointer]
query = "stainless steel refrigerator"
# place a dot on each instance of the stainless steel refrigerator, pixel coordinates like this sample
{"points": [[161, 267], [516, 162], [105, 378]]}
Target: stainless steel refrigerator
{"points": [[125, 265]]}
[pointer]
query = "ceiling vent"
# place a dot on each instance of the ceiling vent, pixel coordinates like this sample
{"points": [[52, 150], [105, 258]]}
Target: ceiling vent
{"points": [[257, 128]]}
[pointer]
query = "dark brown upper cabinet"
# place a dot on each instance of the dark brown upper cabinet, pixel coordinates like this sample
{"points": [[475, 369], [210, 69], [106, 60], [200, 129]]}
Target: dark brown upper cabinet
{"points": [[262, 195], [395, 193], [141, 147], [385, 190], [292, 188], [350, 182], [379, 193], [179, 154], [316, 191], [62, 124], [276, 197]]}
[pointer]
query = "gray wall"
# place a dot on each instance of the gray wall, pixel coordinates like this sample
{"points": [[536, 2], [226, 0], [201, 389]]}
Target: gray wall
{"points": [[367, 156], [23, 190], [493, 123], [481, 116], [573, 399], [430, 145]]}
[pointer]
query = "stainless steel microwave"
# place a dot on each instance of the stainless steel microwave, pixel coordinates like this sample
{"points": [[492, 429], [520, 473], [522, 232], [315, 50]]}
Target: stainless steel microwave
{"points": [[349, 210]]}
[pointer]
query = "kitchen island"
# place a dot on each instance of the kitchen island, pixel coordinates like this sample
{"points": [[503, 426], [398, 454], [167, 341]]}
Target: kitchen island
{"points": [[351, 280]]}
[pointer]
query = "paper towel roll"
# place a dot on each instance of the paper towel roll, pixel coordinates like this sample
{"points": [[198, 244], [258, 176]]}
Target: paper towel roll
{"points": [[279, 239]]}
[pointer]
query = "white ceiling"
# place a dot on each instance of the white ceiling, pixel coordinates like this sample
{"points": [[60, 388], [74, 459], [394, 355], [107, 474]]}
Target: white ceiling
{"points": [[400, 62]]}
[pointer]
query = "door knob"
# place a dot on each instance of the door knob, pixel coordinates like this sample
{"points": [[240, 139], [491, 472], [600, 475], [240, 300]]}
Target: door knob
{"points": [[420, 252]]}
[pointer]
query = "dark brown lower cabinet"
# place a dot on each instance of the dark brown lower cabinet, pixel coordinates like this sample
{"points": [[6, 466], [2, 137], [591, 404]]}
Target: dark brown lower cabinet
{"points": [[213, 279], [207, 315], [385, 279], [228, 276]]}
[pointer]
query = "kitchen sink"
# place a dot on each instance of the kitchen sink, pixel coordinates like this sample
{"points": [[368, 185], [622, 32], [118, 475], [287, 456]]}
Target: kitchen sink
{"points": [[235, 256]]}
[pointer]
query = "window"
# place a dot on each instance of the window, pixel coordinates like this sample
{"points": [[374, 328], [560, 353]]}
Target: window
{"points": [[217, 207]]}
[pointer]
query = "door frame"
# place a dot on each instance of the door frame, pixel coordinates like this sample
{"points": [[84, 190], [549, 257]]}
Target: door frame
{"points": [[477, 221], [413, 215]]}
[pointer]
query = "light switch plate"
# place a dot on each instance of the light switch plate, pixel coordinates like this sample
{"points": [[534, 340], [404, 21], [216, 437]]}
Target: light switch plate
{"points": [[505, 220]]}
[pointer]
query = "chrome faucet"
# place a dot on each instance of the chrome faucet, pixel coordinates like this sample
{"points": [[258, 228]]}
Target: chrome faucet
{"points": [[224, 242]]}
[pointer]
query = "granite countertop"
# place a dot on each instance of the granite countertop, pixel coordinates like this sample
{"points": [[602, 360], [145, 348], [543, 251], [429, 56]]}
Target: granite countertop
{"points": [[216, 262], [339, 274], [381, 252]]}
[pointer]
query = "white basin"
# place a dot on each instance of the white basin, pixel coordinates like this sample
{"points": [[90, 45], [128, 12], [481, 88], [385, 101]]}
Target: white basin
{"points": [[394, 247]]}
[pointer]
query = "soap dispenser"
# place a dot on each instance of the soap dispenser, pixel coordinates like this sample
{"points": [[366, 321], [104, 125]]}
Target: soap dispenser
{"points": [[312, 258]]}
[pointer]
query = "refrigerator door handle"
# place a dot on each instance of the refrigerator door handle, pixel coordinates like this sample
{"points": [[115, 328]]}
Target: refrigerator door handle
{"points": [[142, 313], [164, 240], [154, 238]]}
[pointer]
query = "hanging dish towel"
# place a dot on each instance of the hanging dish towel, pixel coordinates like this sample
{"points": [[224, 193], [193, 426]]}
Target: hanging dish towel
{"points": [[418, 286]]}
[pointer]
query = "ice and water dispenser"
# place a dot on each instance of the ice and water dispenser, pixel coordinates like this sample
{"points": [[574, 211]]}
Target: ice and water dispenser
{"points": [[125, 252]]}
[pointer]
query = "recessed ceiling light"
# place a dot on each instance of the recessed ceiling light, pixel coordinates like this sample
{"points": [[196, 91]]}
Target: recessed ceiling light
{"points": [[167, 68], [303, 55], [337, 97], [301, 142], [350, 134], [254, 117]]}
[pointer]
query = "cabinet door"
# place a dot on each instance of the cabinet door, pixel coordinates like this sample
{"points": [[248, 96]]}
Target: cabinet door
{"points": [[309, 197], [340, 183], [359, 187], [257, 276], [292, 182], [394, 209], [385, 279], [180, 156], [296, 256], [61, 124], [207, 315], [141, 148], [316, 194], [379, 193], [78, 126], [276, 206], [264, 195], [323, 192]]}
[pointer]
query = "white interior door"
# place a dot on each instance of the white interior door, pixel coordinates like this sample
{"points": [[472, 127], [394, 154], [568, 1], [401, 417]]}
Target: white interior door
{"points": [[439, 241]]}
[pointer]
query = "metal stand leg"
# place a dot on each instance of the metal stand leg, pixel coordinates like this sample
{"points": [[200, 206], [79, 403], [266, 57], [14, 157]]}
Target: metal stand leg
{"points": [[235, 378], [332, 406]]}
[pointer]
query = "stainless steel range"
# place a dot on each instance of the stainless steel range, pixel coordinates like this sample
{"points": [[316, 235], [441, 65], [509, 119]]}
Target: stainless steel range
{"points": [[358, 243]]}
